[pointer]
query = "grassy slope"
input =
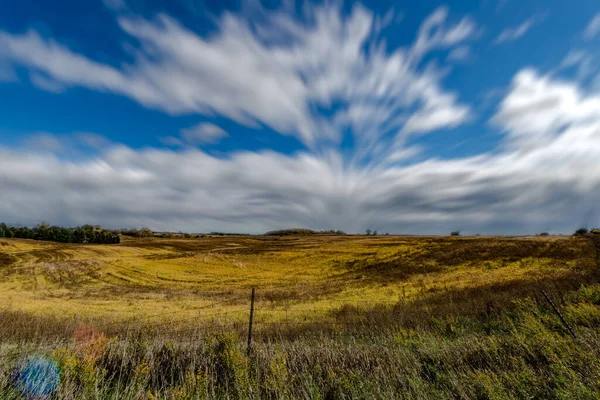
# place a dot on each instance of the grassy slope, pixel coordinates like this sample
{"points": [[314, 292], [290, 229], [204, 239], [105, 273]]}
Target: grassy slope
{"points": [[147, 276], [372, 317]]}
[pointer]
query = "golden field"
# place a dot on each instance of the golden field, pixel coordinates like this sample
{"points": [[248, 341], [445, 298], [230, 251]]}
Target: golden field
{"points": [[156, 279], [336, 317]]}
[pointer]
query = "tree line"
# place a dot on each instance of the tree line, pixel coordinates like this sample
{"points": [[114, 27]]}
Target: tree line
{"points": [[80, 234], [303, 231]]}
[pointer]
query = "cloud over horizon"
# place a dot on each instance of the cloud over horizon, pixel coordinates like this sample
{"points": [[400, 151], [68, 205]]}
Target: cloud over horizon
{"points": [[325, 81]]}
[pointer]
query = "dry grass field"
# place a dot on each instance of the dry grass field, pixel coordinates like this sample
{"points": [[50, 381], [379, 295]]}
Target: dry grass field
{"points": [[153, 276], [325, 306]]}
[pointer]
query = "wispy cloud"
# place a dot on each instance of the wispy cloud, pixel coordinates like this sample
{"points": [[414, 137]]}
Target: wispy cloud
{"points": [[200, 134], [535, 182], [44, 83], [531, 182], [517, 191], [239, 74], [460, 54], [44, 141], [204, 133], [514, 33], [116, 5], [581, 60], [592, 30]]}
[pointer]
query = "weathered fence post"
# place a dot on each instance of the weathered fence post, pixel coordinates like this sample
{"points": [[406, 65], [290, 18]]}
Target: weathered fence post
{"points": [[250, 324], [564, 322]]}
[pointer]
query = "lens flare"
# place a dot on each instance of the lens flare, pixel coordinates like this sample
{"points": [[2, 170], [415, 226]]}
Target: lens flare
{"points": [[37, 377], [90, 343]]}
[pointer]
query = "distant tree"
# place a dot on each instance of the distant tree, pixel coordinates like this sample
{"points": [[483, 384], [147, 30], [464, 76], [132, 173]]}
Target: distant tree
{"points": [[387, 234], [581, 231], [286, 232], [368, 231], [375, 233], [43, 231], [544, 234], [455, 233], [145, 232], [339, 232]]}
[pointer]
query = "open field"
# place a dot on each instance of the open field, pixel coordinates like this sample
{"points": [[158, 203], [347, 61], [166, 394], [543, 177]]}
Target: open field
{"points": [[148, 277], [409, 317]]}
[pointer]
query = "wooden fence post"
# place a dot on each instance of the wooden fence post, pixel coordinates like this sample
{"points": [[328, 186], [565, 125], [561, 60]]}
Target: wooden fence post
{"points": [[250, 324], [564, 322]]}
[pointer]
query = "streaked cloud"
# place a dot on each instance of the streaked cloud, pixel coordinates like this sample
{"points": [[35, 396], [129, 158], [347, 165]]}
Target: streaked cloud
{"points": [[116, 5], [330, 76], [552, 134], [203, 133], [459, 54], [592, 30], [41, 82], [44, 141], [238, 73], [514, 33]]}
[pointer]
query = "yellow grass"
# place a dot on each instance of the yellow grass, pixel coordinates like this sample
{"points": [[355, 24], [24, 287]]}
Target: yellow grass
{"points": [[151, 278]]}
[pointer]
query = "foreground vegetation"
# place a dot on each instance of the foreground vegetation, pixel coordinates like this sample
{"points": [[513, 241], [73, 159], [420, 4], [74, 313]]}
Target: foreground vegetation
{"points": [[336, 317]]}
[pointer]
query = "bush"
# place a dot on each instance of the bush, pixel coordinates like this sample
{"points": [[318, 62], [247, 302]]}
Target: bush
{"points": [[455, 233], [581, 231], [544, 234]]}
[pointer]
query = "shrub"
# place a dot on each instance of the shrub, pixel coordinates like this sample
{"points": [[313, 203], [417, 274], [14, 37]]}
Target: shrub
{"points": [[581, 231], [455, 233], [544, 234]]}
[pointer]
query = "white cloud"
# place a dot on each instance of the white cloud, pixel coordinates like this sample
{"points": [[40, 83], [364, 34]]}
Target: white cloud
{"points": [[203, 133], [92, 140], [116, 5], [244, 72], [542, 177], [438, 112], [528, 186], [44, 83], [593, 28], [539, 109], [404, 154], [512, 34], [573, 57], [44, 141], [460, 54], [172, 141], [582, 61]]}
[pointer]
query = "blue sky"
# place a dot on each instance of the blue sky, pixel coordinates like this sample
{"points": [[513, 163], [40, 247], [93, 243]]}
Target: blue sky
{"points": [[248, 116]]}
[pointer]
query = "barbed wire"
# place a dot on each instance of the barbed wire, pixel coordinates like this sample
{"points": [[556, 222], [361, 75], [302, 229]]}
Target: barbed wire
{"points": [[178, 321]]}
